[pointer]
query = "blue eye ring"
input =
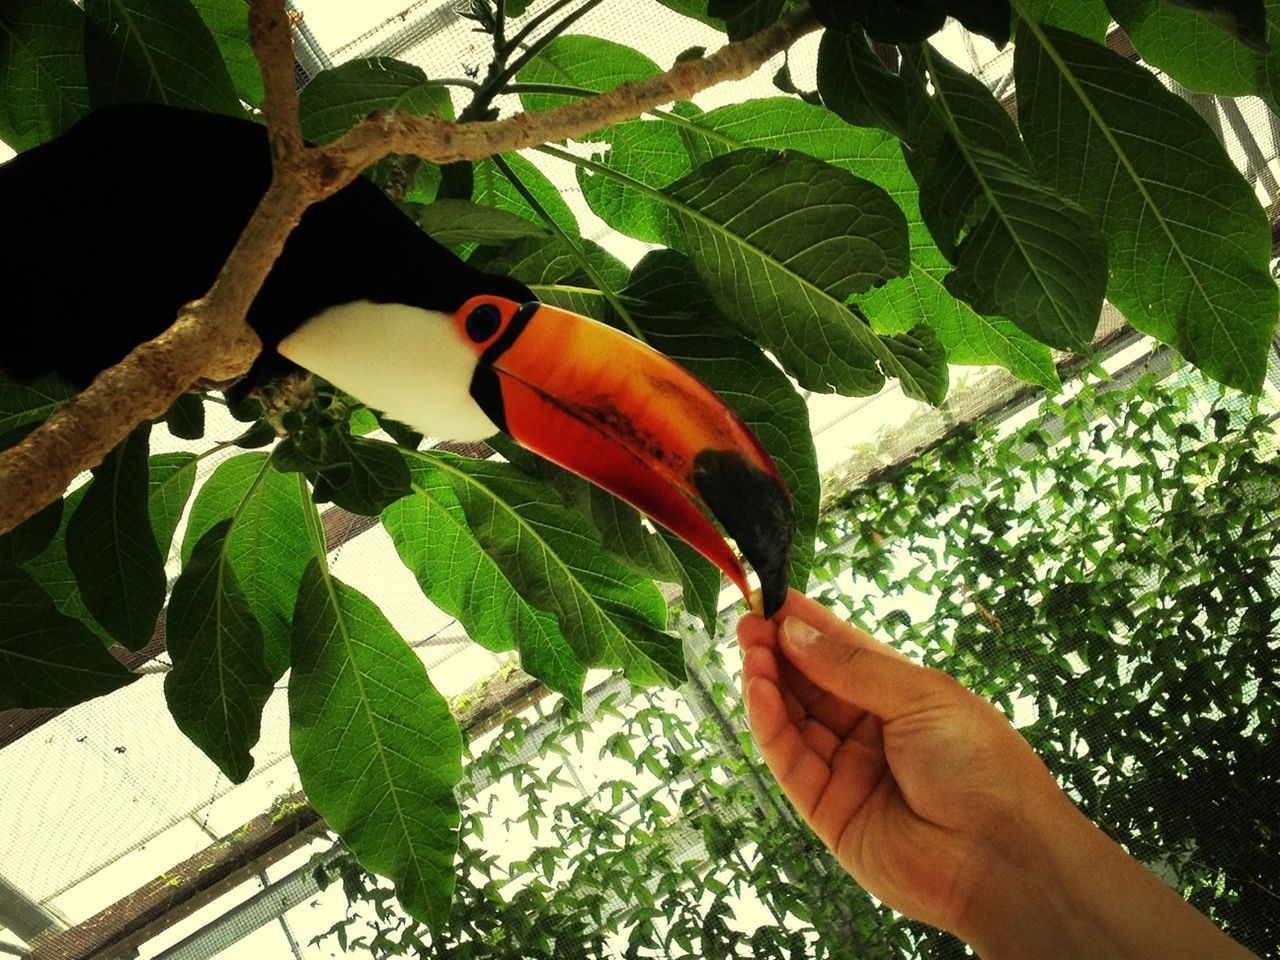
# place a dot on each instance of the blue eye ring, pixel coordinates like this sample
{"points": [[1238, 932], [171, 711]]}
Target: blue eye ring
{"points": [[483, 322]]}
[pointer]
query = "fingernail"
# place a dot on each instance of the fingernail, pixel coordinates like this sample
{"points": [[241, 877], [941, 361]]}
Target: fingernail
{"points": [[756, 602], [799, 634]]}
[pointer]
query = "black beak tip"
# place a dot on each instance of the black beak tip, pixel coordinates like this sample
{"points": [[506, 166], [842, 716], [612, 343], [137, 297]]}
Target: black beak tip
{"points": [[755, 509]]}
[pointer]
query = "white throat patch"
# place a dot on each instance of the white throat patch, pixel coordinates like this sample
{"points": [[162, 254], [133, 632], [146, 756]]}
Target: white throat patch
{"points": [[405, 361]]}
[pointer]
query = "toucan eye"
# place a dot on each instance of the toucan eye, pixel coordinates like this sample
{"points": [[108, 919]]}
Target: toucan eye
{"points": [[483, 322]]}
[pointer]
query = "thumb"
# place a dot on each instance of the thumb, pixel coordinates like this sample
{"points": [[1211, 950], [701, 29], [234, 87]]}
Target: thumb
{"points": [[856, 669]]}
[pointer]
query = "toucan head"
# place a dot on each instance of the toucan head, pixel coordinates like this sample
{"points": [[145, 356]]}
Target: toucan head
{"points": [[578, 392]]}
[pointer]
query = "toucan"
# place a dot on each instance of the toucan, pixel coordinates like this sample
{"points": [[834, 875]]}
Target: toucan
{"points": [[130, 213]]}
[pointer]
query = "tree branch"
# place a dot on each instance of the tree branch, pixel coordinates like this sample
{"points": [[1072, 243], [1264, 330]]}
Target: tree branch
{"points": [[209, 339]]}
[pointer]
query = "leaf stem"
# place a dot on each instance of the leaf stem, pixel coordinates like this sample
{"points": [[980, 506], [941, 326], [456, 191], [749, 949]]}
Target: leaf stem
{"points": [[623, 314]]}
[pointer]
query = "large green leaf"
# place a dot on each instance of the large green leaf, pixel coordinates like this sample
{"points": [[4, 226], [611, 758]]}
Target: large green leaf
{"points": [[679, 318], [1089, 19], [112, 549], [855, 84], [742, 18], [460, 221], [785, 123], [172, 477], [434, 539], [377, 751], [494, 189], [52, 571], [48, 659], [620, 527], [155, 51], [1020, 250], [228, 21], [903, 302], [782, 240], [1189, 244], [266, 548], [42, 62], [220, 680], [609, 615], [25, 403], [33, 536], [338, 99], [651, 153], [1192, 48], [574, 60]]}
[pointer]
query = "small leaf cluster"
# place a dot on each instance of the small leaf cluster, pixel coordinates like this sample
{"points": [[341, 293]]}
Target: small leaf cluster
{"points": [[890, 223]]}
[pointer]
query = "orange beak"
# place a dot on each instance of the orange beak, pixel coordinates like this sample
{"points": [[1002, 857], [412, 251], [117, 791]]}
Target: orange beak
{"points": [[620, 414]]}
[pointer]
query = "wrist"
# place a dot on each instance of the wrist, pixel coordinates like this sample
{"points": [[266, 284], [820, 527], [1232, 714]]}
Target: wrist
{"points": [[1057, 886]]}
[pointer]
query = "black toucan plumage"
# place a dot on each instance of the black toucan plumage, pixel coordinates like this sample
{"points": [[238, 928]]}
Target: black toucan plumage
{"points": [[130, 214]]}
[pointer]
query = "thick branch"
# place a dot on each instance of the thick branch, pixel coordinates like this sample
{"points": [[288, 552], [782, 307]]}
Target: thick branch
{"points": [[210, 339]]}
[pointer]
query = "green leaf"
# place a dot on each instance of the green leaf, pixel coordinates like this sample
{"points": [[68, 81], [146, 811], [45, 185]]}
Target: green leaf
{"points": [[856, 85], [42, 62], [220, 679], [609, 615], [742, 18], [679, 318], [782, 241], [988, 18], [154, 51], [338, 99], [1189, 245], [493, 189], [52, 571], [185, 418], [903, 302], [553, 261], [460, 221], [112, 550], [30, 538], [267, 546], [696, 9], [24, 403], [434, 539], [172, 478], [900, 21], [1192, 48], [652, 153], [368, 478], [48, 659], [1089, 18], [377, 751], [582, 61], [228, 21], [1020, 249], [619, 526]]}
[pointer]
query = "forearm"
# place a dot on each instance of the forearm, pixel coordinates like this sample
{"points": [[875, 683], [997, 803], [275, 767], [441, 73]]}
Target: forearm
{"points": [[1060, 887]]}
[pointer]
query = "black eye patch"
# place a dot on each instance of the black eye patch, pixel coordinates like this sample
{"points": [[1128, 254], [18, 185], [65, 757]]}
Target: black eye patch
{"points": [[483, 322]]}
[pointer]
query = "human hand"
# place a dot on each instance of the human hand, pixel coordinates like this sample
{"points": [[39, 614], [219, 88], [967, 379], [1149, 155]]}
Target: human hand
{"points": [[935, 804], [908, 777]]}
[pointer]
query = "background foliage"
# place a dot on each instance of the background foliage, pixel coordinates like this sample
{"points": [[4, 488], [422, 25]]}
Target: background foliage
{"points": [[1033, 565], [892, 222]]}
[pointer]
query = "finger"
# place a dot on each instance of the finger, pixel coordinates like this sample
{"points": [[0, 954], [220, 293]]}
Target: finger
{"points": [[801, 773], [861, 674], [761, 662], [755, 630], [823, 619]]}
